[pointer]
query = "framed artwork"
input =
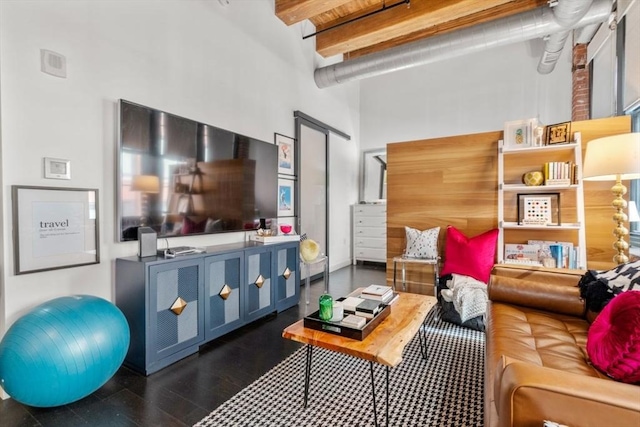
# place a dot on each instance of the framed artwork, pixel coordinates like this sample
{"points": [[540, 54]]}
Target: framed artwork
{"points": [[285, 197], [559, 133], [286, 154], [54, 228], [517, 134], [539, 209]]}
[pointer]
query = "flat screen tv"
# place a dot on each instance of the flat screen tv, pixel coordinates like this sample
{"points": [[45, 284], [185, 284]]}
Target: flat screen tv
{"points": [[181, 177]]}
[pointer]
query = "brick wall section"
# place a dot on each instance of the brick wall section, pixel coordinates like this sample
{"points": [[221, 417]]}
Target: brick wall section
{"points": [[580, 92]]}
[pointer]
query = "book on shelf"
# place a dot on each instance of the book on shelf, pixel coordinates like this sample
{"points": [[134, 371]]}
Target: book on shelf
{"points": [[560, 173], [536, 251], [354, 321]]}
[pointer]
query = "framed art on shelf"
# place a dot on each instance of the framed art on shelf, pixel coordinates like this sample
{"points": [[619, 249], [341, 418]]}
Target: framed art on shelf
{"points": [[54, 228], [286, 195], [286, 154], [539, 209], [517, 134], [559, 133]]}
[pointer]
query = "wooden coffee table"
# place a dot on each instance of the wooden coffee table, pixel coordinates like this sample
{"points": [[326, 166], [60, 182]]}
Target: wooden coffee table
{"points": [[384, 345]]}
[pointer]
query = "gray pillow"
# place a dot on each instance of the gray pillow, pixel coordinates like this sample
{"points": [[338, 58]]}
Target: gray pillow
{"points": [[422, 244]]}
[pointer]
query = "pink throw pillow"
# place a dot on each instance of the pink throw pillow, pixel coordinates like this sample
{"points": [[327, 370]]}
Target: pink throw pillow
{"points": [[613, 341], [472, 257]]}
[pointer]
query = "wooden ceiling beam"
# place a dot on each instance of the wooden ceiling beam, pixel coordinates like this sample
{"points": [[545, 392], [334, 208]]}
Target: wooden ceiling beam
{"points": [[293, 11], [397, 22], [497, 12]]}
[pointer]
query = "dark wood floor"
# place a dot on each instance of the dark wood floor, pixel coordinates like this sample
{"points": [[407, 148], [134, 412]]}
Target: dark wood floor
{"points": [[185, 392]]}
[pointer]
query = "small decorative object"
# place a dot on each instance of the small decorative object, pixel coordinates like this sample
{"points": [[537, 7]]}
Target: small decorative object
{"points": [[286, 228], [63, 350], [539, 209], [309, 250], [326, 307], [533, 178], [517, 134], [538, 136], [286, 151], [559, 133], [264, 232], [338, 312]]}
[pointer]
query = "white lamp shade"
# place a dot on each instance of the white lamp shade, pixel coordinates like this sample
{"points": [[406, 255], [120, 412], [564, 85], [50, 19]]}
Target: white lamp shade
{"points": [[145, 183], [608, 157], [633, 212]]}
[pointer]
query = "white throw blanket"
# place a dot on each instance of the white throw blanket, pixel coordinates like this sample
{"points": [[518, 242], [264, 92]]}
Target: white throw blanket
{"points": [[469, 296]]}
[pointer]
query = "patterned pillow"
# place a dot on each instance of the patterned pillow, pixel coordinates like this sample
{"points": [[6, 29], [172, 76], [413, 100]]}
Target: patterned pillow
{"points": [[613, 341], [473, 256], [422, 244]]}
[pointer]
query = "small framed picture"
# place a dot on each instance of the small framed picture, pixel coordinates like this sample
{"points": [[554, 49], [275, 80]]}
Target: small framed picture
{"points": [[539, 209], [286, 154], [517, 134], [286, 194], [559, 133], [57, 168]]}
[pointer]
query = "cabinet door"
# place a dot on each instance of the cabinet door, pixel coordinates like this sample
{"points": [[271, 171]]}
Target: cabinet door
{"points": [[258, 282], [287, 275], [175, 314], [223, 296]]}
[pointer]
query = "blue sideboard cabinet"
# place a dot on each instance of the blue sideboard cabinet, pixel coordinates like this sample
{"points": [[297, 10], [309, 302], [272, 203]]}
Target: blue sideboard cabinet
{"points": [[174, 305]]}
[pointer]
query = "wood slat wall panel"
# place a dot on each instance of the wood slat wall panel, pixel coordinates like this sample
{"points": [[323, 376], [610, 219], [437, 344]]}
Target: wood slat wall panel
{"points": [[453, 181]]}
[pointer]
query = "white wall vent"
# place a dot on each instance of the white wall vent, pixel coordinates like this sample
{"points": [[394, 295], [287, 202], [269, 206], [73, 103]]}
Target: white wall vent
{"points": [[53, 63]]}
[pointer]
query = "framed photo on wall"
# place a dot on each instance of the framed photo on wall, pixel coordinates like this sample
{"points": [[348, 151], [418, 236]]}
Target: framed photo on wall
{"points": [[286, 154], [286, 194], [54, 228], [539, 209]]}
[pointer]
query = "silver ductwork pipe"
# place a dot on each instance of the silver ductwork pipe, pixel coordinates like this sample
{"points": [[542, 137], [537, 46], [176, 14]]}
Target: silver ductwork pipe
{"points": [[567, 13], [516, 28]]}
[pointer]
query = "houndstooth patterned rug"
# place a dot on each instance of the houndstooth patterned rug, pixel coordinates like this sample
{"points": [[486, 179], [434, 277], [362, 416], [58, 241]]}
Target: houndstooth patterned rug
{"points": [[446, 389]]}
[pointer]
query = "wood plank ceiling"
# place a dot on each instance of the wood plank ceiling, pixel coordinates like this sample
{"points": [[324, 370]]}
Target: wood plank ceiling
{"points": [[396, 22]]}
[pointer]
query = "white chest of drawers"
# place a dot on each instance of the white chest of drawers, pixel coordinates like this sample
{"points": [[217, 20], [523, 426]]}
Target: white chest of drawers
{"points": [[370, 233]]}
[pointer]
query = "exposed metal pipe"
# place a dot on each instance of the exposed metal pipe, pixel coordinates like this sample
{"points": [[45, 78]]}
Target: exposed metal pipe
{"points": [[567, 13], [516, 28]]}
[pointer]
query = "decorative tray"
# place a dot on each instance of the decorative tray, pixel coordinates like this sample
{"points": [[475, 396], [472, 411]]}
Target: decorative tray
{"points": [[313, 321]]}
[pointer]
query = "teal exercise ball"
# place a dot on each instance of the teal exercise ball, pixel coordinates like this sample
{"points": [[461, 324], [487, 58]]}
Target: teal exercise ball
{"points": [[63, 350]]}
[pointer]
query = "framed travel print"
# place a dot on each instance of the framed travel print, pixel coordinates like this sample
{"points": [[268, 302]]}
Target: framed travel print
{"points": [[559, 133], [286, 154], [286, 195], [54, 228], [539, 209], [517, 134]]}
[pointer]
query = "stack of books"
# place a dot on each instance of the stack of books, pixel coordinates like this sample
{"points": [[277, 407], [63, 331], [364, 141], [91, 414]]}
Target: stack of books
{"points": [[362, 307], [380, 293]]}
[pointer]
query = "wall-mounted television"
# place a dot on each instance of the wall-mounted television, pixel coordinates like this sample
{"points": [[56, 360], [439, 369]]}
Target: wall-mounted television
{"points": [[181, 177]]}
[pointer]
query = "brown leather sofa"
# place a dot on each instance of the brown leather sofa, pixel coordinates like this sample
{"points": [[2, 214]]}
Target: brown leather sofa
{"points": [[536, 363]]}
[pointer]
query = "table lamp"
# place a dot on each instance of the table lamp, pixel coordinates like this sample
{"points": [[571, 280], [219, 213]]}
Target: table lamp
{"points": [[614, 158], [145, 184]]}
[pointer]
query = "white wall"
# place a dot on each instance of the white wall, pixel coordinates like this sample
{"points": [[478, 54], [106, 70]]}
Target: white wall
{"points": [[236, 67], [471, 94]]}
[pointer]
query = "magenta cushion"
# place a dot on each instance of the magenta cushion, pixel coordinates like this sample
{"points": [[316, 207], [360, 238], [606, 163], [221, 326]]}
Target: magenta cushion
{"points": [[472, 257], [613, 341]]}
